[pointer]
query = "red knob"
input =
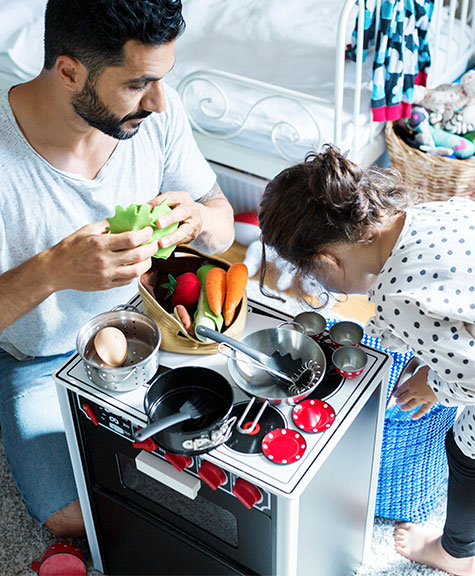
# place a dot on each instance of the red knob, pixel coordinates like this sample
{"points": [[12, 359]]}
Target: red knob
{"points": [[246, 493], [149, 445], [211, 475], [180, 462], [90, 412]]}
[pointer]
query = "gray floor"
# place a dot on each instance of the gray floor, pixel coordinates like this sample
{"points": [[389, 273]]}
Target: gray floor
{"points": [[22, 540]]}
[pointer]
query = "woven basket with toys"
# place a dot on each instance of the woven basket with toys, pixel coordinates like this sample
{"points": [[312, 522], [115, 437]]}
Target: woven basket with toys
{"points": [[191, 288], [434, 148]]}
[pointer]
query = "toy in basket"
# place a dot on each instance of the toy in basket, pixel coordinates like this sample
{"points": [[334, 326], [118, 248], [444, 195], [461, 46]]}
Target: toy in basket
{"points": [[174, 292]]}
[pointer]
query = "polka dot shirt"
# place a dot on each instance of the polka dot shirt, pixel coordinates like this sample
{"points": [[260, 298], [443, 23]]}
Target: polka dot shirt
{"points": [[424, 300]]}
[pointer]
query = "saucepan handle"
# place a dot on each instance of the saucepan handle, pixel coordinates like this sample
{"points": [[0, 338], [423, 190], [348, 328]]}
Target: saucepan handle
{"points": [[160, 425], [251, 428], [202, 330], [300, 327]]}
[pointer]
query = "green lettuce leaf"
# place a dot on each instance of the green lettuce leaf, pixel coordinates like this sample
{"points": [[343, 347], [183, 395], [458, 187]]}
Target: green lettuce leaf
{"points": [[136, 217]]}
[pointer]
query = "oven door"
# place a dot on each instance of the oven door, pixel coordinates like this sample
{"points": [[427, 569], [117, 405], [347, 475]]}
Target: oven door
{"points": [[172, 525]]}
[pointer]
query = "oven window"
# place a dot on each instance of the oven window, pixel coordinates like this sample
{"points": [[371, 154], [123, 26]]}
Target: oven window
{"points": [[206, 515]]}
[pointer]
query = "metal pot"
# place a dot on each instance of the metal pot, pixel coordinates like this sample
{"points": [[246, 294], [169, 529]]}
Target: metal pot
{"points": [[210, 394], [143, 344], [262, 386]]}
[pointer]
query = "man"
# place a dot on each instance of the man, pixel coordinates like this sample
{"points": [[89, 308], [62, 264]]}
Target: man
{"points": [[95, 129]]}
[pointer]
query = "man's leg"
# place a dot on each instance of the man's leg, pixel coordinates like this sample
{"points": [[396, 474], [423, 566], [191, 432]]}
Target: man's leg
{"points": [[35, 443]]}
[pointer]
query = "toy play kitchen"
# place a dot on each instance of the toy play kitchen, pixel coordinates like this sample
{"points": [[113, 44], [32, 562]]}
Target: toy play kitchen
{"points": [[292, 496]]}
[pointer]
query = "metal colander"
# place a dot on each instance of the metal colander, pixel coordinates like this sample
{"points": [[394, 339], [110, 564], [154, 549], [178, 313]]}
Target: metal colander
{"points": [[143, 344]]}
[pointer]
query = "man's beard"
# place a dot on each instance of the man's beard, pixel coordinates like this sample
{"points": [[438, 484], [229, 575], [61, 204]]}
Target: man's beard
{"points": [[93, 111]]}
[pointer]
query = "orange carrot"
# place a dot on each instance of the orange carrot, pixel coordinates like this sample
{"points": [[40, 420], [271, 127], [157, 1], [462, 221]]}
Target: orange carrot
{"points": [[215, 287], [236, 280]]}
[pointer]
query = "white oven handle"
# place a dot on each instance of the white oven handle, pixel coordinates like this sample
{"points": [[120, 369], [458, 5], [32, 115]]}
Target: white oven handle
{"points": [[167, 474]]}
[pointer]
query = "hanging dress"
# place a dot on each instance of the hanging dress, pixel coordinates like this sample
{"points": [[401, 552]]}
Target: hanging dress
{"points": [[402, 54]]}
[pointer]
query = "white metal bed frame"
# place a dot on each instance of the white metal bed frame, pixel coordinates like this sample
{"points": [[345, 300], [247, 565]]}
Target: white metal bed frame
{"points": [[219, 147]]}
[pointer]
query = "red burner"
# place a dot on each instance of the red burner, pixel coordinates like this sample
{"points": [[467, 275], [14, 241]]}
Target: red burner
{"points": [[313, 415], [252, 443], [283, 446]]}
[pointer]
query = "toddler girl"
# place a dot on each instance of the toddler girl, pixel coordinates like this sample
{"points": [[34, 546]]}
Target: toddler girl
{"points": [[359, 231]]}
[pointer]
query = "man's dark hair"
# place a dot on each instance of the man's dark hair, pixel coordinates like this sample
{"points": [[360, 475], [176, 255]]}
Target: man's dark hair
{"points": [[95, 31]]}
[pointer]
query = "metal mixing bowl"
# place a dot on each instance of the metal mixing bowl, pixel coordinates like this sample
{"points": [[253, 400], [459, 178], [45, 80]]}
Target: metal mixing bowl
{"points": [[143, 345], [260, 384]]}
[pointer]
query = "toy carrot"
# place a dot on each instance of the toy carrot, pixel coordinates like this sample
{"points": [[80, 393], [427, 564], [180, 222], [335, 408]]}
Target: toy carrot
{"points": [[236, 280], [216, 289]]}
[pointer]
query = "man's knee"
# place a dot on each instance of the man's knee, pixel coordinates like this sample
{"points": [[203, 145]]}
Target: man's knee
{"points": [[67, 523]]}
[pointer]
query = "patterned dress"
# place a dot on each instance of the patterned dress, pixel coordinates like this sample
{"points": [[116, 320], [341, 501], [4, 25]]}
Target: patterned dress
{"points": [[425, 301]]}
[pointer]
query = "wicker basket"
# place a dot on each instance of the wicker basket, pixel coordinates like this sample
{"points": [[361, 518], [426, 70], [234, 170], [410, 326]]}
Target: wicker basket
{"points": [[437, 177], [174, 336]]}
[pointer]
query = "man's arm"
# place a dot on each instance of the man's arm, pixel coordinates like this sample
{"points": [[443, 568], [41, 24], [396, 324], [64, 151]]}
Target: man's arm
{"points": [[87, 260], [207, 223]]}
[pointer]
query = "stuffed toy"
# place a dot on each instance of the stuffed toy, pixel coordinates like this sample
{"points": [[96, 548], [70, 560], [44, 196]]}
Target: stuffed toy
{"points": [[451, 106], [434, 140]]}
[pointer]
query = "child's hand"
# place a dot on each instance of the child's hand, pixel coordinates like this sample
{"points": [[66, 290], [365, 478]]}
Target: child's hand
{"points": [[414, 392]]}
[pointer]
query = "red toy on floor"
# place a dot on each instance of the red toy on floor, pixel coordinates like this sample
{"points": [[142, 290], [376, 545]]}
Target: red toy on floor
{"points": [[61, 559]]}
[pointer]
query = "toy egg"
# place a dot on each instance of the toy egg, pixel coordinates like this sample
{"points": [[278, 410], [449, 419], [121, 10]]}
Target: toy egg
{"points": [[111, 346]]}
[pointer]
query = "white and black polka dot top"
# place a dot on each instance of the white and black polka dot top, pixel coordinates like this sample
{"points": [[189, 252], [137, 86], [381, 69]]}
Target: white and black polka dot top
{"points": [[424, 300]]}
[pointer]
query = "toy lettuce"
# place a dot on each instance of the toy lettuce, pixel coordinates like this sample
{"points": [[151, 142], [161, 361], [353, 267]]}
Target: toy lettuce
{"points": [[136, 217]]}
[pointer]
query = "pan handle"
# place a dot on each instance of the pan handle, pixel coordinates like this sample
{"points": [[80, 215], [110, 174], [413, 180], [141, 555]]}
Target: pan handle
{"points": [[160, 425], [300, 327], [251, 429], [202, 330], [232, 354]]}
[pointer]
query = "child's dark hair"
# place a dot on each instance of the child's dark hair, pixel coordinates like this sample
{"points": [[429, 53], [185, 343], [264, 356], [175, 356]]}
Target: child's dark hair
{"points": [[324, 200], [95, 31]]}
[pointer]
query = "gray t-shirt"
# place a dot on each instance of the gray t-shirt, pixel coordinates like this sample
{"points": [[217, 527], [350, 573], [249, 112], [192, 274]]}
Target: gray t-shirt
{"points": [[40, 205]]}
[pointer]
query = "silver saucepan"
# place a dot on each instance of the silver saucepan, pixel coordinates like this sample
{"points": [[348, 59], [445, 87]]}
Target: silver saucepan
{"points": [[143, 344], [262, 386]]}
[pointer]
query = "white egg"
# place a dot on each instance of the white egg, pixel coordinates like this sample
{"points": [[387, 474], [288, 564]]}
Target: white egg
{"points": [[111, 346]]}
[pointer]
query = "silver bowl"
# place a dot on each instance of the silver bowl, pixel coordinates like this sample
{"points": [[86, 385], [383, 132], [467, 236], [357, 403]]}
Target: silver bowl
{"points": [[346, 333], [143, 344], [349, 361], [313, 322]]}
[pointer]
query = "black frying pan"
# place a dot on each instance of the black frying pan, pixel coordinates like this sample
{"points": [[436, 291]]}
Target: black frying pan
{"points": [[192, 405]]}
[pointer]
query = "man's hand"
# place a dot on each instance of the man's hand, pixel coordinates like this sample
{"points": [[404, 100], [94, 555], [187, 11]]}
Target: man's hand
{"points": [[414, 392], [208, 221], [186, 212], [90, 259]]}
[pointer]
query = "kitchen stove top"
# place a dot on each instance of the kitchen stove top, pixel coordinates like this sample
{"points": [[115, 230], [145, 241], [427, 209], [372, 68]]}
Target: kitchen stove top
{"points": [[283, 480]]}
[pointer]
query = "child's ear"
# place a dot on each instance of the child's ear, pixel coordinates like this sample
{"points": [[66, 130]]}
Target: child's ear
{"points": [[327, 259]]}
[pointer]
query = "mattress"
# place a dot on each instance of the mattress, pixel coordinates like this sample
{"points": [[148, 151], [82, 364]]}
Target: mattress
{"points": [[288, 44]]}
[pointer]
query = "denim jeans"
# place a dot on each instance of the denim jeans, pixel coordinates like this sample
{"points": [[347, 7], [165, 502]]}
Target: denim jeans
{"points": [[33, 434]]}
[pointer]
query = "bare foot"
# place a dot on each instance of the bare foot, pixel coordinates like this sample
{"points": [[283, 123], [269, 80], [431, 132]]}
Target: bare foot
{"points": [[422, 544]]}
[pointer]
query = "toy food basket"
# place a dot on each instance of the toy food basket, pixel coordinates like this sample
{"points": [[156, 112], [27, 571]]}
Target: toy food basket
{"points": [[436, 177], [174, 336]]}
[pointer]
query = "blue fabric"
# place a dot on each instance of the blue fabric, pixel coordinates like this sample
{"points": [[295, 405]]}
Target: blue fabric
{"points": [[402, 54], [33, 434]]}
